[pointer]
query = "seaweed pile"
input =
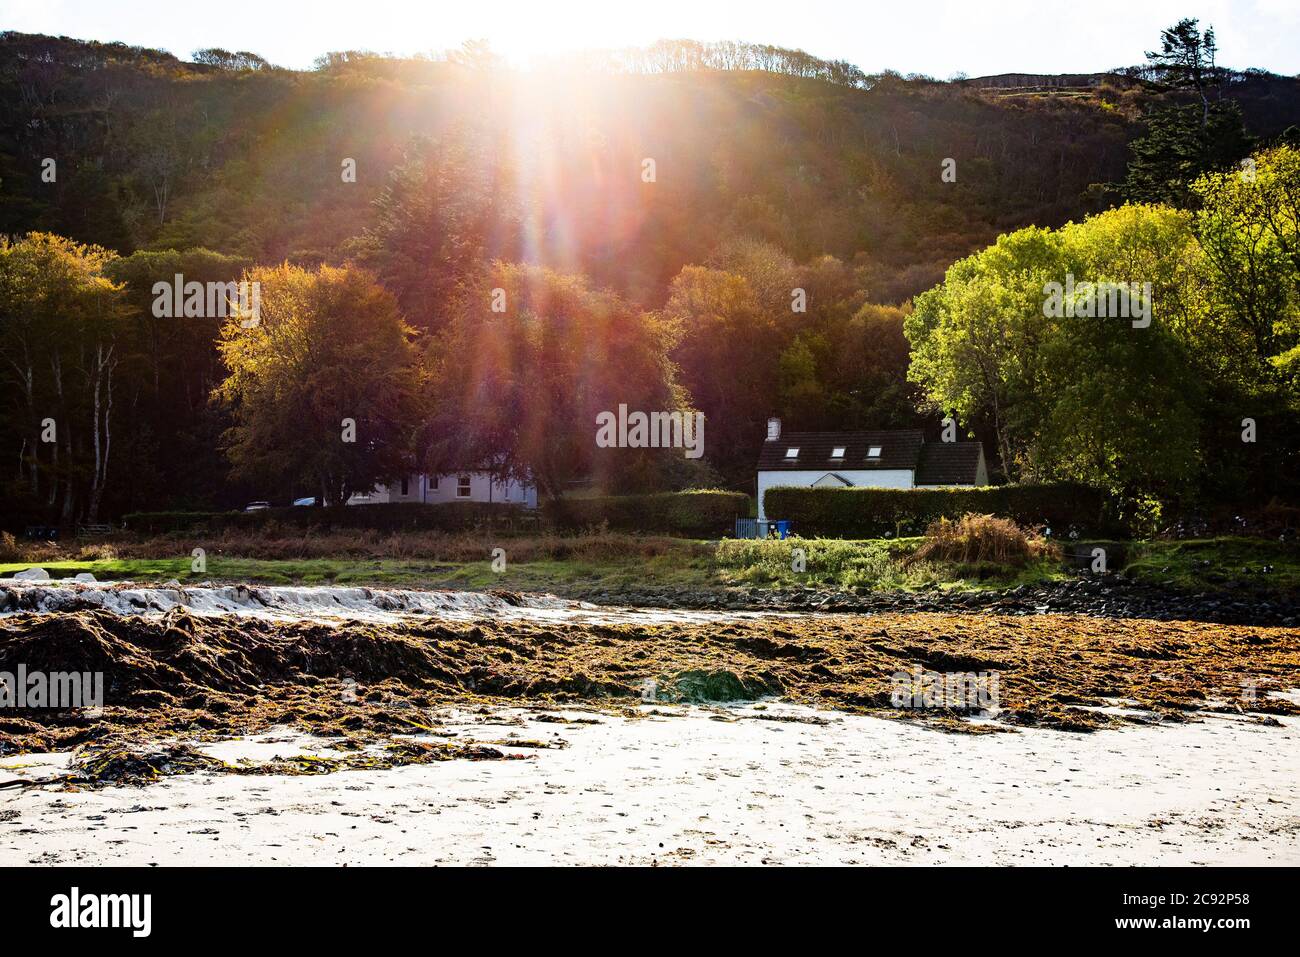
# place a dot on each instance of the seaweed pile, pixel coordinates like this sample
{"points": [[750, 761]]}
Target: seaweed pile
{"points": [[119, 761], [181, 676]]}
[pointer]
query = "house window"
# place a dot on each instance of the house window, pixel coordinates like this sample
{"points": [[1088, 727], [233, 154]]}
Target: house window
{"points": [[462, 486], [792, 453], [406, 487], [873, 452], [433, 482], [837, 452]]}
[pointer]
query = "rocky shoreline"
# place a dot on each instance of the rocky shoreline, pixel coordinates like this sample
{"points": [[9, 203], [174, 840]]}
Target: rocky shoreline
{"points": [[1113, 596]]}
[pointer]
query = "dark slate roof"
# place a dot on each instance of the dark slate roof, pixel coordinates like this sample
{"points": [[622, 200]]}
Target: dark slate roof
{"points": [[899, 449], [948, 463]]}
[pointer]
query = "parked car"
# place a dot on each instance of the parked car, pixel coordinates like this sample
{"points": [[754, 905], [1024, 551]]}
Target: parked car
{"points": [[256, 506], [309, 501]]}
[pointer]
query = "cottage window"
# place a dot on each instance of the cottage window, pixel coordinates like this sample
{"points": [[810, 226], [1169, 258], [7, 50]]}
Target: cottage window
{"points": [[462, 486], [792, 453], [837, 452], [873, 452]]}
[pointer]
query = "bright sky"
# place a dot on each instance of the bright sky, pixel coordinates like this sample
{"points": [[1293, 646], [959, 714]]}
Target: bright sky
{"points": [[936, 37]]}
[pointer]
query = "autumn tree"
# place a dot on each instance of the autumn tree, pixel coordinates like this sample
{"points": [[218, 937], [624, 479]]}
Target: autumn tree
{"points": [[521, 385], [64, 339], [323, 386], [727, 350]]}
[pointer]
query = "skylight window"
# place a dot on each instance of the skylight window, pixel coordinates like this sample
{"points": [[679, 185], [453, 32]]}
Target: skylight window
{"points": [[837, 452], [792, 453], [873, 452]]}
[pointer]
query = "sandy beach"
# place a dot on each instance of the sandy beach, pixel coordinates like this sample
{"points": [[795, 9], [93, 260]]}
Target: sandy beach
{"points": [[363, 726], [747, 784]]}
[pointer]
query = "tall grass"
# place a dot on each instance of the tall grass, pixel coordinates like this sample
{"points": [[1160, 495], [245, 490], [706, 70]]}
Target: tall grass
{"points": [[872, 564], [982, 540]]}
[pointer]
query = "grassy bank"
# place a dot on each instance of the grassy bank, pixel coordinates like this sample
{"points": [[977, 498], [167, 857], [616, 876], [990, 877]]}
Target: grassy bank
{"points": [[1218, 564], [617, 562]]}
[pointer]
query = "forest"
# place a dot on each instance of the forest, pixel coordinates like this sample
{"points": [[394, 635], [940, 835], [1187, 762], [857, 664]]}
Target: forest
{"points": [[470, 263]]}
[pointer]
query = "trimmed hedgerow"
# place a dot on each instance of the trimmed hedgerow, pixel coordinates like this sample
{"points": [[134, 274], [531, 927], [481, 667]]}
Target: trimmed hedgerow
{"points": [[157, 523], [873, 512], [704, 513], [389, 517], [694, 513]]}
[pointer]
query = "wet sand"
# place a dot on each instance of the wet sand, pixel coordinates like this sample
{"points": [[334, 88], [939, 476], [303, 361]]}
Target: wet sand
{"points": [[684, 784]]}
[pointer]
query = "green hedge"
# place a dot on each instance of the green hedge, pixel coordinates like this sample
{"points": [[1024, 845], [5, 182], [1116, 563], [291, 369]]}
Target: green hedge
{"points": [[705, 514], [871, 512], [155, 523], [392, 517], [702, 514]]}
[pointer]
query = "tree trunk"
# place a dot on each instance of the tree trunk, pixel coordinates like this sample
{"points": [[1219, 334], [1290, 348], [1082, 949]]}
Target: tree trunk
{"points": [[102, 433]]}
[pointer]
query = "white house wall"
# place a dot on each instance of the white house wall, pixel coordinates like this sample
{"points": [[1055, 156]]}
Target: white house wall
{"points": [[861, 478], [421, 488], [482, 489]]}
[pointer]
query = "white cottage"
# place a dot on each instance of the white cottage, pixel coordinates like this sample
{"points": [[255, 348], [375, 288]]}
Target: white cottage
{"points": [[901, 458], [453, 487]]}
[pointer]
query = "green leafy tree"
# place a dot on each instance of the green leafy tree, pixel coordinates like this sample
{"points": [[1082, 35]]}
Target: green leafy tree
{"points": [[1186, 59], [1249, 226], [977, 339], [446, 213], [1249, 229], [1183, 142], [1106, 399], [1180, 144], [173, 448]]}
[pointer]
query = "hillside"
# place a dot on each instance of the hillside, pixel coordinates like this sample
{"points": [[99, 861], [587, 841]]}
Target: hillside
{"points": [[704, 184], [155, 152]]}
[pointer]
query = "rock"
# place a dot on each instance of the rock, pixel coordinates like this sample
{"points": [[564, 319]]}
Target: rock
{"points": [[83, 577], [33, 574]]}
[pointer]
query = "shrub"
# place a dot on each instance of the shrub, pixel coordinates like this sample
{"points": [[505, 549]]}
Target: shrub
{"points": [[9, 550], [981, 539], [874, 512]]}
